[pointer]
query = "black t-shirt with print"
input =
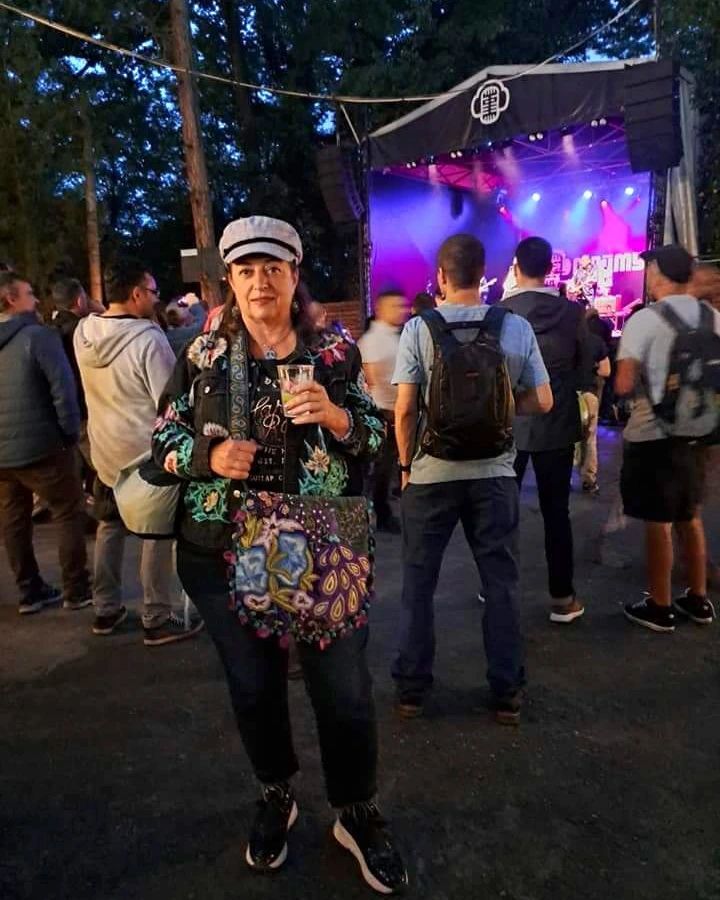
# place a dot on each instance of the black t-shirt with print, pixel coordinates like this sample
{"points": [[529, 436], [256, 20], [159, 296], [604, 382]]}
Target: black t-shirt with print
{"points": [[268, 426]]}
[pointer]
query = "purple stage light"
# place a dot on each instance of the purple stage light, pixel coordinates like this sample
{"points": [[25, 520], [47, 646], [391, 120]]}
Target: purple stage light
{"points": [[536, 197], [629, 191], [588, 195]]}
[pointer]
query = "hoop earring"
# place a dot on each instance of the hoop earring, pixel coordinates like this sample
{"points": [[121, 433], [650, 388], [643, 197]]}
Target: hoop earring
{"points": [[295, 306]]}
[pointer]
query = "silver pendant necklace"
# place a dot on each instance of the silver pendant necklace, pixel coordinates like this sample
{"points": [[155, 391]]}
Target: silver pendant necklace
{"points": [[270, 350]]}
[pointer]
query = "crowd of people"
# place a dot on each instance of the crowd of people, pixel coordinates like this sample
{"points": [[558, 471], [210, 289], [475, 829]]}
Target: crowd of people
{"points": [[276, 428]]}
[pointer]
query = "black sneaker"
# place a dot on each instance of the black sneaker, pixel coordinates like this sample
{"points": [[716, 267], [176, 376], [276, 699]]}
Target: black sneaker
{"points": [[507, 708], [276, 815], [699, 609], [650, 615], [107, 624], [362, 830], [175, 629], [47, 595], [410, 704], [79, 601]]}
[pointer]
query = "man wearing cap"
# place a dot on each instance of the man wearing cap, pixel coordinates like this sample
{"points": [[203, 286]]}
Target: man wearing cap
{"points": [[662, 475]]}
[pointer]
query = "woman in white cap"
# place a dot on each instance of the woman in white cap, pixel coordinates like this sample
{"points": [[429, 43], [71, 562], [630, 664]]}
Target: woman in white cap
{"points": [[274, 538]]}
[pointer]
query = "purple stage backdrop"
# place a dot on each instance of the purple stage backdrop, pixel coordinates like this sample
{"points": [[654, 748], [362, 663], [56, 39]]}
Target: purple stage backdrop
{"points": [[584, 200]]}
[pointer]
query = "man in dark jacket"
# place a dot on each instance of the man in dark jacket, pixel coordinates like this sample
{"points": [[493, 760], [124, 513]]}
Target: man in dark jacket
{"points": [[561, 331], [72, 304], [39, 424]]}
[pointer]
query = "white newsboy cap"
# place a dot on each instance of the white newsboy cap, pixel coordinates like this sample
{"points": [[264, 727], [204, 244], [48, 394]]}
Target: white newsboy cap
{"points": [[260, 235]]}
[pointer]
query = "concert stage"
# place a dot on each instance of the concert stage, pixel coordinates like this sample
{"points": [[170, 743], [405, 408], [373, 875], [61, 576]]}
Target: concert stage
{"points": [[556, 152]]}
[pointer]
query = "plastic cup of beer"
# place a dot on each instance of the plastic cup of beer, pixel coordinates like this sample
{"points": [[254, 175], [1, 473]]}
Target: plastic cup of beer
{"points": [[292, 376]]}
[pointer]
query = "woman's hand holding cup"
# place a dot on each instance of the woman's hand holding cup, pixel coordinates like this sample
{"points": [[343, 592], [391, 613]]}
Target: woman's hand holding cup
{"points": [[310, 405], [233, 459]]}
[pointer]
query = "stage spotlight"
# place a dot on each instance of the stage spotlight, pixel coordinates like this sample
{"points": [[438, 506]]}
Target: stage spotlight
{"points": [[604, 204], [588, 195], [603, 121], [531, 137], [629, 191], [536, 197], [594, 123], [540, 135], [502, 210]]}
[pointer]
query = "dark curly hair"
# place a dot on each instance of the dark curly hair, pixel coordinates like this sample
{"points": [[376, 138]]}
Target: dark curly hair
{"points": [[231, 322]]}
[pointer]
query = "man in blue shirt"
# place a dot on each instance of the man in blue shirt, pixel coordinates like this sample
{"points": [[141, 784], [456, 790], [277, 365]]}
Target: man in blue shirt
{"points": [[482, 493]]}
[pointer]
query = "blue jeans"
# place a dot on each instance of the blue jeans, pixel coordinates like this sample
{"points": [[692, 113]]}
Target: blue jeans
{"points": [[489, 511], [337, 681]]}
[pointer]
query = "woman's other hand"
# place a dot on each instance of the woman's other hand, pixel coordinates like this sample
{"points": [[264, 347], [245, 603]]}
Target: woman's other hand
{"points": [[312, 406], [233, 459]]}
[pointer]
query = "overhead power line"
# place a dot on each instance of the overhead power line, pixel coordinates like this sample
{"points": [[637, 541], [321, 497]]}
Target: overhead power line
{"points": [[284, 92]]}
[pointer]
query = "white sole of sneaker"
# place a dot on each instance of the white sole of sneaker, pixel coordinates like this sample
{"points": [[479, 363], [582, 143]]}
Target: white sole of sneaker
{"points": [[174, 638], [29, 609], [105, 631], [283, 853], [565, 618], [346, 840], [695, 619], [651, 625], [81, 604]]}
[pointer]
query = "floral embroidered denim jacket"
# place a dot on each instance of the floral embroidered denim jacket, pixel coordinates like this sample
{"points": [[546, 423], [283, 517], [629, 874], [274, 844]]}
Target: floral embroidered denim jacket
{"points": [[196, 411]]}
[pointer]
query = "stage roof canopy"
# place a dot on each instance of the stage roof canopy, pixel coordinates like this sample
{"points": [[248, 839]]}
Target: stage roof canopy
{"points": [[502, 102]]}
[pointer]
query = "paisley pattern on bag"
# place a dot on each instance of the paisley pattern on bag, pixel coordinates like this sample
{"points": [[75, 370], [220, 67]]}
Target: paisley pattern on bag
{"points": [[301, 566]]}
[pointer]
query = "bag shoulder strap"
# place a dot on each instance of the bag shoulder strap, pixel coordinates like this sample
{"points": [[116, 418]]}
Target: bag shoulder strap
{"points": [[668, 314], [440, 331], [707, 317], [494, 319]]}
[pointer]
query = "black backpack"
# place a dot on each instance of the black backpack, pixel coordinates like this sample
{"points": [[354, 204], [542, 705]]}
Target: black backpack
{"points": [[470, 407], [689, 404]]}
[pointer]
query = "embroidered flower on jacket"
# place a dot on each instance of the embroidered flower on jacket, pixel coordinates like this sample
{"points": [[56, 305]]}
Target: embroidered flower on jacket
{"points": [[211, 501], [319, 461], [213, 429], [205, 349], [170, 463]]}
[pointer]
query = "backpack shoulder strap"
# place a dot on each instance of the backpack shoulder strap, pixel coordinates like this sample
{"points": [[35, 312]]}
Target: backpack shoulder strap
{"points": [[707, 317], [494, 319], [440, 331], [668, 314]]}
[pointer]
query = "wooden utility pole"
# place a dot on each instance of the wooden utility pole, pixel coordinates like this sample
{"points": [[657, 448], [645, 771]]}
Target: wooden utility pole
{"points": [[91, 206], [194, 152]]}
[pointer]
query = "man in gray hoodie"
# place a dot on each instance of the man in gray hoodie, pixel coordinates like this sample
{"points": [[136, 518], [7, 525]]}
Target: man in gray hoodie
{"points": [[39, 425], [125, 362]]}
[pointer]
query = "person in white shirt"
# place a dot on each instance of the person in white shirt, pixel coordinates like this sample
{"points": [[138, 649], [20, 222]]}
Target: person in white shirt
{"points": [[379, 349]]}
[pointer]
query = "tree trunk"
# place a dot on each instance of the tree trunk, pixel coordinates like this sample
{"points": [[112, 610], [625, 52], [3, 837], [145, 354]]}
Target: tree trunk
{"points": [[91, 209], [194, 153], [243, 107]]}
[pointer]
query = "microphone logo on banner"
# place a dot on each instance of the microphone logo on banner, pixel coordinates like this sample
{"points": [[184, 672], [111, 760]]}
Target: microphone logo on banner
{"points": [[490, 102]]}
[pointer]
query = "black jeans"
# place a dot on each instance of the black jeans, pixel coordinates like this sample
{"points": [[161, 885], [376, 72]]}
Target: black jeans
{"points": [[383, 471], [56, 480], [488, 510], [553, 471], [337, 681]]}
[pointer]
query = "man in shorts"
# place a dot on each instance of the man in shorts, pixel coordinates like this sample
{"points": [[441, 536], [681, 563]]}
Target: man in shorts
{"points": [[662, 477]]}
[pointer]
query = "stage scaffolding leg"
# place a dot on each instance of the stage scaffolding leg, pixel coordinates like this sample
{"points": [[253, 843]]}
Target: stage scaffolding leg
{"points": [[656, 215]]}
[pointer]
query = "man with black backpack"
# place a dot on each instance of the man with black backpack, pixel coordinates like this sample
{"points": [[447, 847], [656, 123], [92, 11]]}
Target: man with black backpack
{"points": [[669, 357], [462, 371]]}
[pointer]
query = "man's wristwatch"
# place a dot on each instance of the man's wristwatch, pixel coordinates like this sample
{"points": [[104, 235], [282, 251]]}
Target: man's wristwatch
{"points": [[406, 468]]}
